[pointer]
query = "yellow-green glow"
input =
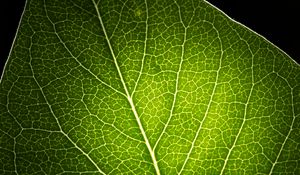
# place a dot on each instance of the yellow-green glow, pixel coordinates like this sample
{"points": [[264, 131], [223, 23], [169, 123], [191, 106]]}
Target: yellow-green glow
{"points": [[145, 87]]}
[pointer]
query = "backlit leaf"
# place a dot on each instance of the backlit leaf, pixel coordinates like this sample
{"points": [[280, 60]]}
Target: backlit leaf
{"points": [[145, 87]]}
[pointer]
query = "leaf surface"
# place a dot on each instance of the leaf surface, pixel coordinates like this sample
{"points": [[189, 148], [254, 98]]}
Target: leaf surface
{"points": [[145, 87]]}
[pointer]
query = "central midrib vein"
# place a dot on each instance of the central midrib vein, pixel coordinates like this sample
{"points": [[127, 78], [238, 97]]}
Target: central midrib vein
{"points": [[152, 154]]}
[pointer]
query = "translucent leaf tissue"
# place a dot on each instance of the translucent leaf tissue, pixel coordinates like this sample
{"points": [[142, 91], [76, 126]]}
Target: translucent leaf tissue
{"points": [[145, 87]]}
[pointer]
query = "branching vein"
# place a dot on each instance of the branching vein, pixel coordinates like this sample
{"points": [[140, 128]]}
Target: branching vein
{"points": [[127, 93], [208, 105], [177, 80]]}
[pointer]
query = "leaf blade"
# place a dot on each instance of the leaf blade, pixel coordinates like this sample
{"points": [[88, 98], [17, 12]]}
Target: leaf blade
{"points": [[141, 108]]}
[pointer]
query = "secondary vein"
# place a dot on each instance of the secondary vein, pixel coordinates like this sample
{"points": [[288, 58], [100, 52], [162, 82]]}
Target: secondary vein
{"points": [[129, 98], [177, 80], [245, 110], [51, 110], [208, 106], [290, 130], [144, 54]]}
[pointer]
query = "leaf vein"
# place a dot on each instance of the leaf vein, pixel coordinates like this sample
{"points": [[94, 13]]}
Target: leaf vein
{"points": [[145, 52], [245, 109], [177, 80], [129, 98], [290, 130], [209, 103], [75, 58]]}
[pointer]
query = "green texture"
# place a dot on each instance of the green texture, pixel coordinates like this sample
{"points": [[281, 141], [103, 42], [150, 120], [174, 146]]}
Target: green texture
{"points": [[145, 87]]}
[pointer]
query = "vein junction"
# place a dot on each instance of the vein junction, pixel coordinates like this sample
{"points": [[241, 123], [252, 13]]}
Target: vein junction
{"points": [[152, 154]]}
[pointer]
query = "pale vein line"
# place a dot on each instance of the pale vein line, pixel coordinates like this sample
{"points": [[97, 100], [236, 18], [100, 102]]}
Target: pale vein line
{"points": [[110, 124], [59, 125], [245, 110], [55, 117], [60, 128], [291, 128], [177, 80], [81, 8], [119, 20], [14, 42], [208, 106], [152, 154], [69, 51], [14, 118], [15, 156], [144, 55]]}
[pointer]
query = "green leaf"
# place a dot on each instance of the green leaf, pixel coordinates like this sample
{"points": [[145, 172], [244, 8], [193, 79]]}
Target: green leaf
{"points": [[145, 87]]}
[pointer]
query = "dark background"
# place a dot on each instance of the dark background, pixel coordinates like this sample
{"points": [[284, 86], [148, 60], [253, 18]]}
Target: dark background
{"points": [[275, 20]]}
